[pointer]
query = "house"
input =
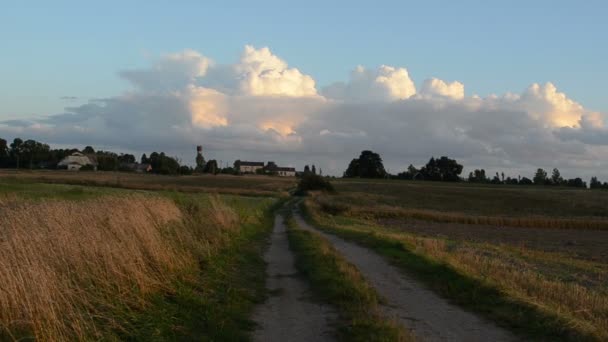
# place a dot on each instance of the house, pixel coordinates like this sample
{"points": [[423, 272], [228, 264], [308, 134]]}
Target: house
{"points": [[272, 168], [286, 171], [250, 167], [76, 161]]}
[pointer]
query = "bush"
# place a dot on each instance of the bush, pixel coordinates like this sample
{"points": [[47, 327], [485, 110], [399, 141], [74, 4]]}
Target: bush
{"points": [[312, 182]]}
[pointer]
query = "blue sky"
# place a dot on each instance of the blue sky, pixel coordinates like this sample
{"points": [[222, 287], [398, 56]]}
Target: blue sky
{"points": [[62, 48], [169, 75]]}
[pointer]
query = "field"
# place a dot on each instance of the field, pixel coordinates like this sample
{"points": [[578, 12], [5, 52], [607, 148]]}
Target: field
{"points": [[227, 184], [104, 263], [114, 256], [531, 258]]}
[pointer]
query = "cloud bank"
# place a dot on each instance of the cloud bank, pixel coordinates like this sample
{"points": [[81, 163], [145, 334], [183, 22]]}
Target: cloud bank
{"points": [[261, 108]]}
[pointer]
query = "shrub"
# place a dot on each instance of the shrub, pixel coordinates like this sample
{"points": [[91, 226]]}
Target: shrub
{"points": [[312, 182]]}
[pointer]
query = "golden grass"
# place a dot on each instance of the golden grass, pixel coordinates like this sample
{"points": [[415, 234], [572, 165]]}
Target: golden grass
{"points": [[67, 267], [584, 308]]}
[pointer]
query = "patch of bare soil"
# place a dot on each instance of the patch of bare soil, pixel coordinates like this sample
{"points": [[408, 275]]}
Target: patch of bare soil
{"points": [[584, 244], [428, 316], [288, 315]]}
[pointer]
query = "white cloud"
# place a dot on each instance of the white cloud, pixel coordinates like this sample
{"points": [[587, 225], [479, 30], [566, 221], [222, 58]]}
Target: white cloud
{"points": [[171, 72], [435, 87], [546, 103], [386, 83], [263, 73], [260, 108]]}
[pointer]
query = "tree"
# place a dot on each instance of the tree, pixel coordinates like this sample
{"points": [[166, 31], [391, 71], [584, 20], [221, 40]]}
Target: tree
{"points": [[3, 153], [312, 182], [540, 177], [185, 170], [576, 182], [88, 150], [16, 150], [478, 176], [556, 178], [144, 159], [594, 183], [314, 169], [368, 165], [442, 169], [211, 167], [525, 181], [306, 169]]}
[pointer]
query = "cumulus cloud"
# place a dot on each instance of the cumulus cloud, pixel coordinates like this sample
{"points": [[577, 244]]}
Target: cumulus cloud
{"points": [[266, 74], [173, 71], [385, 83], [436, 87], [260, 108]]}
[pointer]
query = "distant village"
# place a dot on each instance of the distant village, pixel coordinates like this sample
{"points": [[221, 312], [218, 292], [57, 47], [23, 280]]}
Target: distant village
{"points": [[31, 154]]}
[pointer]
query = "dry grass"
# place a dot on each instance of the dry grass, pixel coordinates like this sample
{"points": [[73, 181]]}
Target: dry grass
{"points": [[67, 267]]}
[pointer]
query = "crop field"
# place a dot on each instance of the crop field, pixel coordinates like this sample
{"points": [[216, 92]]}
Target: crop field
{"points": [[100, 263], [533, 259], [228, 184]]}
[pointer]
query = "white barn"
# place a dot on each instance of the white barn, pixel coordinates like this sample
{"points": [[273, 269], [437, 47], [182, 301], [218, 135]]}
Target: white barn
{"points": [[76, 161]]}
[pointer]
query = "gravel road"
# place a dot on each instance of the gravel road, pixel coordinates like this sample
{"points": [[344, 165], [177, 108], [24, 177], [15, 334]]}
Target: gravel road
{"points": [[288, 315], [428, 316]]}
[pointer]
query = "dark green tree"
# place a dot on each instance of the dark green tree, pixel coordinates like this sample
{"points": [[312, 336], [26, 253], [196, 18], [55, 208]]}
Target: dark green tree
{"points": [[88, 150], [16, 151], [368, 165], [556, 178], [442, 169], [540, 177], [211, 167]]}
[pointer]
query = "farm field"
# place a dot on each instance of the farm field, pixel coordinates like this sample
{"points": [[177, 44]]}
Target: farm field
{"points": [[245, 185], [101, 263], [532, 259], [166, 258]]}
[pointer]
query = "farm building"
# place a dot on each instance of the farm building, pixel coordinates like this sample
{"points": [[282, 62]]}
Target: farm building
{"points": [[286, 171], [250, 167], [76, 161]]}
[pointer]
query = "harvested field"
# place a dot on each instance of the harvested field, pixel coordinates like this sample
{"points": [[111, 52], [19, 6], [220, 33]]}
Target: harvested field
{"points": [[579, 243]]}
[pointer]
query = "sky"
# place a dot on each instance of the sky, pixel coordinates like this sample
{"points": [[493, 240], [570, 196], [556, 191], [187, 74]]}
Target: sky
{"points": [[508, 86]]}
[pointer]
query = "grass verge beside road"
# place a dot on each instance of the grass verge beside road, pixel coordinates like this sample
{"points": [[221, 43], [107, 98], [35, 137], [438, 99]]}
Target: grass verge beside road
{"points": [[340, 284]]}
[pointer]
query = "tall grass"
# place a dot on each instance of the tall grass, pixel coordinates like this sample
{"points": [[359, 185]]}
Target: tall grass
{"points": [[69, 269]]}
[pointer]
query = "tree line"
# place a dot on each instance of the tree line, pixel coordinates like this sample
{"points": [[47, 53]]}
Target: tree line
{"points": [[32, 154], [369, 165]]}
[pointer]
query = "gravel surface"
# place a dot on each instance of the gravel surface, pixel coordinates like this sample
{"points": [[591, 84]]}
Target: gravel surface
{"points": [[428, 316], [288, 314]]}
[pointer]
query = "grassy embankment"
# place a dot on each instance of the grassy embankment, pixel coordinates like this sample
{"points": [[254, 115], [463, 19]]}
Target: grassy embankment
{"points": [[336, 281], [537, 294], [80, 263]]}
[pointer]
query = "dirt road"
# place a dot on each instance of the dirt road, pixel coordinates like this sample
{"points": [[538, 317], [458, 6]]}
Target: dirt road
{"points": [[288, 315], [430, 317]]}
